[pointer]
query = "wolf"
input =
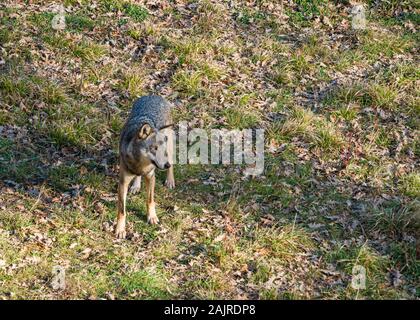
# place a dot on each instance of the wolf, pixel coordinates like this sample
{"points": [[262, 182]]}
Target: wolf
{"points": [[146, 144]]}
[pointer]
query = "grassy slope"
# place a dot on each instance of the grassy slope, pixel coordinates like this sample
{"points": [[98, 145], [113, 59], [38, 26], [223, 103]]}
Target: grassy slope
{"points": [[342, 180]]}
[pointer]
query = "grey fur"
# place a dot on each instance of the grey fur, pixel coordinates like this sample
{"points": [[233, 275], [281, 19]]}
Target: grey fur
{"points": [[153, 110]]}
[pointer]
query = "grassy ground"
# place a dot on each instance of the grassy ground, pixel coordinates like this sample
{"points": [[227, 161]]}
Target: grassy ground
{"points": [[341, 184]]}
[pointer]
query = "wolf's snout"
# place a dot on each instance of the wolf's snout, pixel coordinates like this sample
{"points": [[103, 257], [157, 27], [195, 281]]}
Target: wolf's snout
{"points": [[167, 165]]}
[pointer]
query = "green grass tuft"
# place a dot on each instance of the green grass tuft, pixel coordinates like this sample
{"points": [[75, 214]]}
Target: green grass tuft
{"points": [[410, 184], [147, 284], [138, 13]]}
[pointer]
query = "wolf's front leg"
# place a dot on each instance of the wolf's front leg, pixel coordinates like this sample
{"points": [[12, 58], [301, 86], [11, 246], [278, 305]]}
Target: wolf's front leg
{"points": [[124, 181], [151, 210]]}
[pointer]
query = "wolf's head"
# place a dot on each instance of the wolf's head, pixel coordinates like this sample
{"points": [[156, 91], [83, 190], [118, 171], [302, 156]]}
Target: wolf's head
{"points": [[150, 147]]}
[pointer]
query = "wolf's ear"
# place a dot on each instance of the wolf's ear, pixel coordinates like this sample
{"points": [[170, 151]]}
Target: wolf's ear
{"points": [[145, 131]]}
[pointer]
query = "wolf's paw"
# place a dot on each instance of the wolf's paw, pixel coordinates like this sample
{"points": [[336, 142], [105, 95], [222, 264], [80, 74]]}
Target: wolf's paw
{"points": [[152, 219], [170, 184], [120, 233], [134, 189]]}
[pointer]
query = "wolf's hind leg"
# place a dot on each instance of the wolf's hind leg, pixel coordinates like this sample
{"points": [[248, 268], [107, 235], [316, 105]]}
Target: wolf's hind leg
{"points": [[135, 187], [151, 206], [170, 179]]}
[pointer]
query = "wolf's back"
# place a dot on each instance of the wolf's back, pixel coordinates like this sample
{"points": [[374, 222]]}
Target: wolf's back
{"points": [[153, 110]]}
